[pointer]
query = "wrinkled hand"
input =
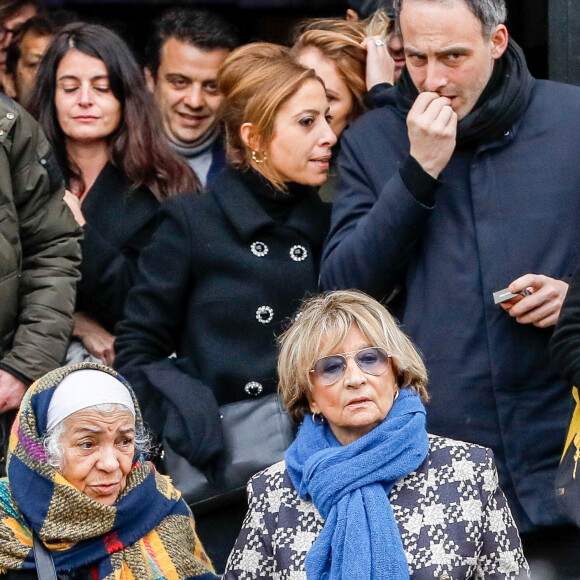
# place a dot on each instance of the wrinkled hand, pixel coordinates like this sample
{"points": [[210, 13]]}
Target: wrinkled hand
{"points": [[432, 128], [95, 338], [74, 204], [380, 66], [542, 307], [11, 391]]}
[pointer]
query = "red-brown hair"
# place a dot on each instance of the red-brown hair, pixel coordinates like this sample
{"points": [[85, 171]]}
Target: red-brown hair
{"points": [[255, 81]]}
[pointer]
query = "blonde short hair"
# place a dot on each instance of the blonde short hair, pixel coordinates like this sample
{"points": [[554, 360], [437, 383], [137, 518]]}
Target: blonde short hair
{"points": [[255, 81], [322, 324]]}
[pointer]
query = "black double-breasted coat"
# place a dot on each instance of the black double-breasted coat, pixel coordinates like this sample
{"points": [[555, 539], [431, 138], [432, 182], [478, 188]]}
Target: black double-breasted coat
{"points": [[220, 280]]}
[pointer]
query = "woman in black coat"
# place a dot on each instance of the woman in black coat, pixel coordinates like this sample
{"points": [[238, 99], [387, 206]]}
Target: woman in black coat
{"points": [[91, 101], [226, 271]]}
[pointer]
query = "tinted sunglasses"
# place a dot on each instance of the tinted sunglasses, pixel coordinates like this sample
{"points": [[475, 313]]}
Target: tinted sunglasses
{"points": [[372, 360]]}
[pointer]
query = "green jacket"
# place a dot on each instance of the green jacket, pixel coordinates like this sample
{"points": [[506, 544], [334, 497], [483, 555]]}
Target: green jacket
{"points": [[39, 250]]}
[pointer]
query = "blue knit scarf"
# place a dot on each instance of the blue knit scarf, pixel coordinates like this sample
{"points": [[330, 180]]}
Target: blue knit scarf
{"points": [[350, 487]]}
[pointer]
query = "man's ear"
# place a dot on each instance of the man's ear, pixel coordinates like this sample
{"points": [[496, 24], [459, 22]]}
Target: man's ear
{"points": [[352, 15], [499, 41], [250, 135], [149, 79], [10, 85]]}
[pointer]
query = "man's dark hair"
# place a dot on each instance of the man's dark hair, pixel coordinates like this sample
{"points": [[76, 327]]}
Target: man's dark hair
{"points": [[9, 7], [366, 8], [39, 26], [204, 30]]}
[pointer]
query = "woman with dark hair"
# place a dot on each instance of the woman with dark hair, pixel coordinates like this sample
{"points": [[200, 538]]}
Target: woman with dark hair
{"points": [[93, 105], [226, 270]]}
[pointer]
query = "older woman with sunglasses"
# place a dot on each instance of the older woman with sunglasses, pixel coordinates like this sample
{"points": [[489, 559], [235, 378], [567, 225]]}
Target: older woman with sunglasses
{"points": [[364, 491]]}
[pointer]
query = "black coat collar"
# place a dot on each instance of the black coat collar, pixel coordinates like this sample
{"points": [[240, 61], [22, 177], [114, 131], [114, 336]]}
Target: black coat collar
{"points": [[113, 205], [309, 215]]}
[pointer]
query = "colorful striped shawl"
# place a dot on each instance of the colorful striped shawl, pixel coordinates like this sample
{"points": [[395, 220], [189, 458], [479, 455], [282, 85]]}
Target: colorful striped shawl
{"points": [[148, 534]]}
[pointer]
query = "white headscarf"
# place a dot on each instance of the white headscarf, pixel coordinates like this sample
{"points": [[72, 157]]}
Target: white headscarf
{"points": [[86, 388]]}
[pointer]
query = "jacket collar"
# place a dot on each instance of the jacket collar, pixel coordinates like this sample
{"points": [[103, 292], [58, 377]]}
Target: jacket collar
{"points": [[309, 216], [9, 114]]}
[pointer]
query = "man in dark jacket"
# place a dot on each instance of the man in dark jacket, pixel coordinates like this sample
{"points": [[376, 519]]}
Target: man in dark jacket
{"points": [[466, 182], [39, 255]]}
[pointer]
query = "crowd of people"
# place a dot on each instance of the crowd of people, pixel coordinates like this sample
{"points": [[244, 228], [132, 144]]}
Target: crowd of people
{"points": [[291, 257]]}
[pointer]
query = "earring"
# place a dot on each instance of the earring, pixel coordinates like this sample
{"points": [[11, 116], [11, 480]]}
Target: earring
{"points": [[396, 395], [313, 416], [255, 156]]}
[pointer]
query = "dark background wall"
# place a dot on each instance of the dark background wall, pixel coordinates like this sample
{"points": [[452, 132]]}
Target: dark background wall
{"points": [[528, 24], [272, 20], [564, 34]]}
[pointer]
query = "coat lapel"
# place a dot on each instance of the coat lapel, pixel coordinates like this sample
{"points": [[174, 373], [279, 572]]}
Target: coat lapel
{"points": [[310, 216], [239, 205]]}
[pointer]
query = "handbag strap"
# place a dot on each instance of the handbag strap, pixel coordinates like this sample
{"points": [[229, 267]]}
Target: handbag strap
{"points": [[44, 563]]}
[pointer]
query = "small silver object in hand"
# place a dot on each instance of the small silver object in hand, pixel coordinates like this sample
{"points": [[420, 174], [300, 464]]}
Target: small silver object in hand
{"points": [[379, 42]]}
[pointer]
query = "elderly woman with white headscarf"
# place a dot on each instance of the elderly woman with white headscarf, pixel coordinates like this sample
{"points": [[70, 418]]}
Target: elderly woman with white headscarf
{"points": [[80, 494]]}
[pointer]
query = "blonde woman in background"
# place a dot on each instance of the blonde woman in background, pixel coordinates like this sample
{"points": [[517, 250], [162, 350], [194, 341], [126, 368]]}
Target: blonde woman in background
{"points": [[352, 59]]}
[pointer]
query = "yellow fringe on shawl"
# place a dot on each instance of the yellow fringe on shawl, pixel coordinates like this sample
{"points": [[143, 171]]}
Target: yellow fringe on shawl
{"points": [[574, 428]]}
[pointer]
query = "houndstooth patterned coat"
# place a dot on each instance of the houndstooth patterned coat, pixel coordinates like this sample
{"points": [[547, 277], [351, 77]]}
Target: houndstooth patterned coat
{"points": [[453, 519]]}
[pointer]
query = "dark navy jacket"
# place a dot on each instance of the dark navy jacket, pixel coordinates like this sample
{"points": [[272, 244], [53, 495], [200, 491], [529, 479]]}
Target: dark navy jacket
{"points": [[508, 208], [218, 159], [566, 339]]}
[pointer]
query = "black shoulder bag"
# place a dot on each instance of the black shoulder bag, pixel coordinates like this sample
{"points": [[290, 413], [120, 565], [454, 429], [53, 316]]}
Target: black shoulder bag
{"points": [[257, 433]]}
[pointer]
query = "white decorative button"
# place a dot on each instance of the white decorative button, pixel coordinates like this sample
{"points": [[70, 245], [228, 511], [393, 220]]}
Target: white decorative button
{"points": [[298, 253], [1, 132], [265, 314], [253, 388], [43, 161], [10, 116], [259, 249]]}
